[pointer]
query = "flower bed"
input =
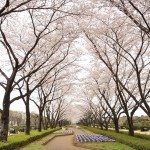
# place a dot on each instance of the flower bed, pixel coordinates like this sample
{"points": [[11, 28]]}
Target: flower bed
{"points": [[93, 138]]}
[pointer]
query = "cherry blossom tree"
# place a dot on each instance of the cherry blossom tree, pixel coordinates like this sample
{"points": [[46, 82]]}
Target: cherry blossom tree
{"points": [[137, 11], [23, 39]]}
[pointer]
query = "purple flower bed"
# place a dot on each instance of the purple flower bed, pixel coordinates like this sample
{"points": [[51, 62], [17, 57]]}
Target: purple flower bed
{"points": [[93, 138]]}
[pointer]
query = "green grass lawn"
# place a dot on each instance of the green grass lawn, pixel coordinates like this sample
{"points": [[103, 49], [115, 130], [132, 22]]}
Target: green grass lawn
{"points": [[34, 147], [37, 145], [108, 146]]}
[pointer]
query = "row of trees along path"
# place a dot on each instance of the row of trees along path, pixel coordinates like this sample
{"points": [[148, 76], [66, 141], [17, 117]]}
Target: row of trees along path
{"points": [[35, 45], [37, 42]]}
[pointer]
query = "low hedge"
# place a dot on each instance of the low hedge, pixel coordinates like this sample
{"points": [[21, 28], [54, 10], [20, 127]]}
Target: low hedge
{"points": [[18, 140], [138, 135], [136, 143]]}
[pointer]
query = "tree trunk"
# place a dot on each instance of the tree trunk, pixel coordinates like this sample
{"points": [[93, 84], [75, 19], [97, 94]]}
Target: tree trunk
{"points": [[40, 121], [5, 122], [5, 115], [44, 124], [101, 125], [116, 125], [45, 121], [48, 118], [60, 123], [106, 126], [27, 132], [6, 106], [94, 123], [57, 120], [56, 123], [131, 131], [53, 123], [130, 124]]}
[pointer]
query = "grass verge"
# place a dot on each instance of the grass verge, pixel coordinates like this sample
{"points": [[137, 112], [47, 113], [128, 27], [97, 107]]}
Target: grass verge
{"points": [[138, 135], [134, 142], [107, 146], [37, 145]]}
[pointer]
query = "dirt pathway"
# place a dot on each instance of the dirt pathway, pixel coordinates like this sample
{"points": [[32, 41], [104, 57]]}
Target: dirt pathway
{"points": [[64, 142]]}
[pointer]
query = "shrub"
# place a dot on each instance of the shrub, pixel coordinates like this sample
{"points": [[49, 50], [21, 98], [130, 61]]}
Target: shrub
{"points": [[137, 143], [19, 140], [144, 129]]}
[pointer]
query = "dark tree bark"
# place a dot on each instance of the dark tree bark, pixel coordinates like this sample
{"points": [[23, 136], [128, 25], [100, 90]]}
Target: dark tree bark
{"points": [[27, 131], [116, 123], [7, 101], [40, 120], [5, 122]]}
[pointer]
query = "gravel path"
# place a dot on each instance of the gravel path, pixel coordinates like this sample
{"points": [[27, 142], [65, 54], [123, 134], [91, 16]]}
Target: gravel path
{"points": [[78, 131], [65, 142]]}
